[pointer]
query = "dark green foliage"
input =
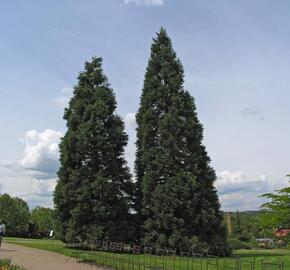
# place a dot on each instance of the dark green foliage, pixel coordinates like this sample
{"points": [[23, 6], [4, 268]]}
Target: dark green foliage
{"points": [[246, 225], [14, 213], [235, 244], [176, 199], [93, 194]]}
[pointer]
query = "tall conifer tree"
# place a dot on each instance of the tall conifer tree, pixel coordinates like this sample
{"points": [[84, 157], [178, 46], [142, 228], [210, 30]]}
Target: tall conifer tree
{"points": [[176, 199], [93, 194]]}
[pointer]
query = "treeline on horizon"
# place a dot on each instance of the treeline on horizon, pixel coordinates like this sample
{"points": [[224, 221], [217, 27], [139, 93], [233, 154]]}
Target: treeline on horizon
{"points": [[20, 221], [246, 226]]}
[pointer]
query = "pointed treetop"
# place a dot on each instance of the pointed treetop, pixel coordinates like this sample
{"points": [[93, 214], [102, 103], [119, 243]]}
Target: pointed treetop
{"points": [[162, 38], [93, 74], [164, 67], [162, 31]]}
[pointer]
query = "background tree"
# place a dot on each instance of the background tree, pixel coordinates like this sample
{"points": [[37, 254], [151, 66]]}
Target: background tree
{"points": [[43, 220], [176, 200], [279, 207], [246, 228], [93, 194], [14, 213]]}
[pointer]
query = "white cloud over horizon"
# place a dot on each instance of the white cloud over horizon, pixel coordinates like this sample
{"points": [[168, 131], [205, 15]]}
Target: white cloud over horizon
{"points": [[237, 191], [32, 176], [34, 173]]}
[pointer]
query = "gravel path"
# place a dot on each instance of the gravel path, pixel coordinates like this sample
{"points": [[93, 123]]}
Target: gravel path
{"points": [[36, 259]]}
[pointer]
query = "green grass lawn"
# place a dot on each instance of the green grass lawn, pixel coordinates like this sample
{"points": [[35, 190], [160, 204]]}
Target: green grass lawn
{"points": [[268, 255], [55, 245], [149, 262]]}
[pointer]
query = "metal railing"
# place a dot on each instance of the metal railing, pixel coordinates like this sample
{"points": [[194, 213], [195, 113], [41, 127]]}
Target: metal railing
{"points": [[123, 256]]}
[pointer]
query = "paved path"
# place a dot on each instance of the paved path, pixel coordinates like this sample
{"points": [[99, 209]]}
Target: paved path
{"points": [[36, 259]]}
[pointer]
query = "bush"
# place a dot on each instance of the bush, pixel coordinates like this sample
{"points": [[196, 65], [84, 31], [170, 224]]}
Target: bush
{"points": [[235, 243], [6, 265]]}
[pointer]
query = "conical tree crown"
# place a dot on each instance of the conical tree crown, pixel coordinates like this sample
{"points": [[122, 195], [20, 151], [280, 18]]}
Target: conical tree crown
{"points": [[176, 197], [94, 189]]}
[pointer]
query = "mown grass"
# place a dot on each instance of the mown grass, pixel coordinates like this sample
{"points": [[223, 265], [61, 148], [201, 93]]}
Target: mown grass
{"points": [[152, 262], [268, 255], [45, 244]]}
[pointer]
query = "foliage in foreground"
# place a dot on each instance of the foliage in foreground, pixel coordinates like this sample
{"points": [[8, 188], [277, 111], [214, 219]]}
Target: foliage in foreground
{"points": [[6, 265]]}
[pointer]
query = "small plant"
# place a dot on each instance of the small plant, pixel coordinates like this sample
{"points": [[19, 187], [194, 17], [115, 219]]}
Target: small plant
{"points": [[6, 265]]}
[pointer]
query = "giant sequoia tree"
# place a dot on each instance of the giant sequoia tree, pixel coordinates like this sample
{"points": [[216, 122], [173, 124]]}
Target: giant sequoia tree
{"points": [[176, 199], [92, 196]]}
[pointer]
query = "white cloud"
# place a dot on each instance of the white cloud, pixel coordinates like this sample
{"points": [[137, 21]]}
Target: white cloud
{"points": [[43, 188], [144, 2], [237, 191], [41, 151], [34, 200], [226, 178], [66, 89], [62, 101], [130, 120], [130, 125], [33, 176]]}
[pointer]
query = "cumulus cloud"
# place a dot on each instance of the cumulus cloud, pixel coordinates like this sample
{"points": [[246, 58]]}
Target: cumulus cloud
{"points": [[41, 151], [144, 2], [33, 176], [237, 191], [62, 101], [253, 112]]}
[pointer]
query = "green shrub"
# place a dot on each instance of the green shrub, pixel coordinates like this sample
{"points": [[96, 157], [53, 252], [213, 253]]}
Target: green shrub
{"points": [[235, 243], [6, 265]]}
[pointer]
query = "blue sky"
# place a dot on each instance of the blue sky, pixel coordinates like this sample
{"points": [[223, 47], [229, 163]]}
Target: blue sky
{"points": [[236, 56]]}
